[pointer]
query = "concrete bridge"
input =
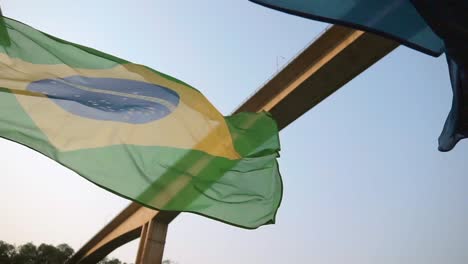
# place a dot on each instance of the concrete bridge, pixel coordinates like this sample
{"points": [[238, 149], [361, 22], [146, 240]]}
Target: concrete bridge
{"points": [[328, 63]]}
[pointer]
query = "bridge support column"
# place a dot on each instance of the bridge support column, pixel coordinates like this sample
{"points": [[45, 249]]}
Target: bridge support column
{"points": [[152, 242]]}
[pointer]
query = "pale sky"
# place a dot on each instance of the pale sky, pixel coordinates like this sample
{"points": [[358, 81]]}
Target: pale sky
{"points": [[363, 180]]}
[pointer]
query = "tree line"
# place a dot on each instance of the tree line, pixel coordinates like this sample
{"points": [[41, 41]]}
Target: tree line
{"points": [[42, 254]]}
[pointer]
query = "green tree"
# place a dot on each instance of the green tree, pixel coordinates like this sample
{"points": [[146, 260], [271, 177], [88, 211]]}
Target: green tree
{"points": [[110, 261], [26, 254], [48, 254], [30, 254], [66, 250], [7, 252]]}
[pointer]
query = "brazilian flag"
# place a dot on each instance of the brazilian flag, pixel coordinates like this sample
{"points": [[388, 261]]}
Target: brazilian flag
{"points": [[136, 132]]}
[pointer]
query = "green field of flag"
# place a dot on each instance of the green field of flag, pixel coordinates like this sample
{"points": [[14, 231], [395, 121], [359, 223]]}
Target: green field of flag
{"points": [[136, 132]]}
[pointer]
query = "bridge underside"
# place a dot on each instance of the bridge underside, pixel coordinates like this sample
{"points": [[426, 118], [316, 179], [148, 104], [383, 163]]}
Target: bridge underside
{"points": [[332, 60]]}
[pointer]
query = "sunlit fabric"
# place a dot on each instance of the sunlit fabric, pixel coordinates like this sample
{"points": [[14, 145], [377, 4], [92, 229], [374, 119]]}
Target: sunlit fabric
{"points": [[136, 132], [429, 26]]}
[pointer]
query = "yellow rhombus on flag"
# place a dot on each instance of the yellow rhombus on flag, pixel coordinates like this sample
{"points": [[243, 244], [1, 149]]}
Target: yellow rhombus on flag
{"points": [[136, 132]]}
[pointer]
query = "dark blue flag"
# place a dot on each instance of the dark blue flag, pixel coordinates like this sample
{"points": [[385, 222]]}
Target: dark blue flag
{"points": [[429, 26], [449, 20]]}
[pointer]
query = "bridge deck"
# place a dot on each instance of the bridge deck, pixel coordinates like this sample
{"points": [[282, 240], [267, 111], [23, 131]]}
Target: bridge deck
{"points": [[328, 63]]}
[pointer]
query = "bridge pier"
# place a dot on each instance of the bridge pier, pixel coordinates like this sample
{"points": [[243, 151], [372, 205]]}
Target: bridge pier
{"points": [[152, 242]]}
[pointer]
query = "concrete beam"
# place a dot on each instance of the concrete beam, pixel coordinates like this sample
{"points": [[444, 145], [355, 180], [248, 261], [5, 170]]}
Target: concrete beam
{"points": [[153, 240], [328, 63], [333, 59]]}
